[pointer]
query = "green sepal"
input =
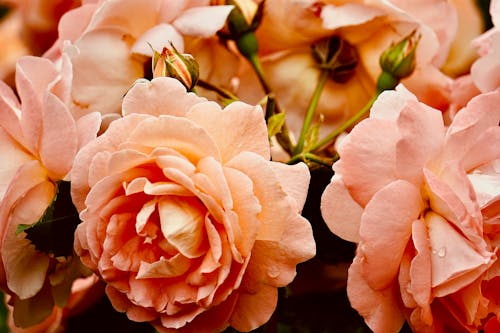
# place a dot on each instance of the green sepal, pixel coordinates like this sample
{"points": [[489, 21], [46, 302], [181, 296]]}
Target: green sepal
{"points": [[312, 136], [54, 232], [275, 124], [247, 44]]}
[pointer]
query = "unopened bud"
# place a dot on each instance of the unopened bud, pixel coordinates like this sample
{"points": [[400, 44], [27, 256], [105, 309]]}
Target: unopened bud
{"points": [[180, 66], [399, 59], [245, 16], [248, 9], [337, 56]]}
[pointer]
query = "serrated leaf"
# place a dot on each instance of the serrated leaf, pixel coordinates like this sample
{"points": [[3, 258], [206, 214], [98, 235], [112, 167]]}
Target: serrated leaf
{"points": [[275, 123], [54, 232]]}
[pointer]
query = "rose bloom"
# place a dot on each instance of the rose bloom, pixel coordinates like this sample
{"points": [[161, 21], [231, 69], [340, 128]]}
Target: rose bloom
{"points": [[484, 73], [38, 141], [111, 43], [39, 21], [184, 216], [13, 46], [290, 27], [421, 200], [84, 292]]}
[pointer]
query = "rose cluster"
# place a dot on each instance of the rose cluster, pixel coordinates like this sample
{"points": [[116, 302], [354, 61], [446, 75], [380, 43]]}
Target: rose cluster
{"points": [[159, 154]]}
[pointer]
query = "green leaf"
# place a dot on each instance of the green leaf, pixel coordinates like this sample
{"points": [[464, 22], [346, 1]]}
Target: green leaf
{"points": [[275, 123], [54, 232]]}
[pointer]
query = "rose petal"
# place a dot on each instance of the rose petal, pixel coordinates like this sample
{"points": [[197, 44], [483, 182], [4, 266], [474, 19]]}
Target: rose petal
{"points": [[455, 262], [379, 307], [348, 14], [58, 142], [247, 125], [113, 71], [385, 230], [341, 213], [370, 152], [156, 39], [202, 21]]}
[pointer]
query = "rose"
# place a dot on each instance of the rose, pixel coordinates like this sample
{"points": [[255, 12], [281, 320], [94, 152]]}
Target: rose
{"points": [[84, 292], [470, 24], [10, 27], [286, 35], [485, 70], [39, 21], [184, 216], [410, 191], [483, 76], [40, 138], [111, 44]]}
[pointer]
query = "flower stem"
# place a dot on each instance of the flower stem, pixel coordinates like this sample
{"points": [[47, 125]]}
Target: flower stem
{"points": [[221, 92], [329, 138], [283, 137], [351, 121], [254, 61], [311, 109], [327, 162]]}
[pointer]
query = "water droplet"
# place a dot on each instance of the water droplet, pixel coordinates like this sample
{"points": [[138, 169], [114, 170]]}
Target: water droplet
{"points": [[273, 272], [442, 252]]}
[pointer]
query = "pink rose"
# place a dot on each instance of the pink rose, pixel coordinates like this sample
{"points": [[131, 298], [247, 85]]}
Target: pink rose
{"points": [[111, 44], [414, 195], [369, 27], [40, 138], [184, 216]]}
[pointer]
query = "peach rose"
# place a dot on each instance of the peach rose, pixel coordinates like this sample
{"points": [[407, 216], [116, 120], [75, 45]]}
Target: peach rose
{"points": [[40, 19], [470, 24], [414, 195], [290, 27], [184, 216], [484, 73], [40, 138], [13, 46], [111, 44], [84, 292]]}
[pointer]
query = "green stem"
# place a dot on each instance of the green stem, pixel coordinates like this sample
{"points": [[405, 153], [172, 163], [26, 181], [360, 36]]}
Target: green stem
{"points": [[351, 121], [327, 162], [270, 106], [254, 61], [329, 138], [221, 92], [311, 109], [283, 137]]}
